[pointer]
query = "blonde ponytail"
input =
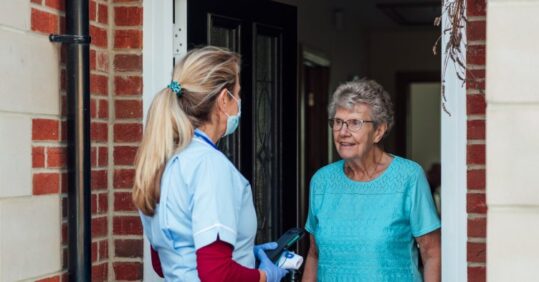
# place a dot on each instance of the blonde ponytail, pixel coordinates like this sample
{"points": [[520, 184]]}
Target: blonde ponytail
{"points": [[202, 73]]}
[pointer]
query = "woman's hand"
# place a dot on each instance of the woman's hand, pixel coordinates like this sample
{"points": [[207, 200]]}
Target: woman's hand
{"points": [[269, 270], [429, 246], [311, 265]]}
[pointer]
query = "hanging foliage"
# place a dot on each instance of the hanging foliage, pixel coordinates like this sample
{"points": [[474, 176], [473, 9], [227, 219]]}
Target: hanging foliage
{"points": [[455, 48]]}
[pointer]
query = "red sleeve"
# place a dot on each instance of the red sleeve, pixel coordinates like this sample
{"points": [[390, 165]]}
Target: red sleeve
{"points": [[156, 263], [215, 264]]}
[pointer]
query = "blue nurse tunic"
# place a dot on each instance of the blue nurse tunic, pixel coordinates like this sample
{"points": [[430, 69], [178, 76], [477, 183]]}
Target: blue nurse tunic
{"points": [[203, 196]]}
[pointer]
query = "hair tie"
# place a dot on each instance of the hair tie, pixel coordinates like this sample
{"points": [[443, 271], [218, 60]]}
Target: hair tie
{"points": [[176, 87]]}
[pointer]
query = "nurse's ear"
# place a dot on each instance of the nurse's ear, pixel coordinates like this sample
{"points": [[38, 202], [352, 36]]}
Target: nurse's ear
{"points": [[223, 101]]}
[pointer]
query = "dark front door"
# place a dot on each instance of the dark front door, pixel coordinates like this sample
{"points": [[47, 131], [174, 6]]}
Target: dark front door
{"points": [[265, 146]]}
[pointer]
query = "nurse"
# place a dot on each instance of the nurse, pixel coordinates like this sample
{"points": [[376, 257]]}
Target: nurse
{"points": [[196, 208]]}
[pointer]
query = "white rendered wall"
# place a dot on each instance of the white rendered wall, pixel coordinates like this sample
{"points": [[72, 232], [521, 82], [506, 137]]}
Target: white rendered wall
{"points": [[29, 88], [512, 140]]}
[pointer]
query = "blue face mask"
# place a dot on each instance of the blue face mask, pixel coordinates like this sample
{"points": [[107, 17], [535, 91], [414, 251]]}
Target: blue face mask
{"points": [[232, 122]]}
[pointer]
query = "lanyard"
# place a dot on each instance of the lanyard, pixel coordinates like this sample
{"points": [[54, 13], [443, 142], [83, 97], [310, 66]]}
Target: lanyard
{"points": [[206, 139]]}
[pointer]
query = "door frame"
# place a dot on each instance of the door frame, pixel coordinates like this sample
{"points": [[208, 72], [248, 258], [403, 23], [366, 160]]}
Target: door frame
{"points": [[160, 47], [158, 27]]}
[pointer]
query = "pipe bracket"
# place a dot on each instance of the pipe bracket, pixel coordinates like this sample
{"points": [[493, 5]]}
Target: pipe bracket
{"points": [[70, 38]]}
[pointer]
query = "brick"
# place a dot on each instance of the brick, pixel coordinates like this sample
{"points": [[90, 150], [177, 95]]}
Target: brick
{"points": [[93, 59], [64, 208], [93, 108], [93, 204], [475, 55], [56, 4], [128, 62], [99, 131], [123, 202], [103, 14], [103, 156], [63, 87], [104, 250], [102, 61], [476, 104], [123, 178], [476, 130], [99, 36], [45, 130], [100, 272], [476, 179], [476, 203], [129, 271], [129, 39], [63, 104], [476, 30], [130, 85], [128, 109], [103, 109], [94, 251], [477, 227], [64, 234], [92, 12], [37, 2], [63, 182], [127, 132], [93, 156], [99, 179], [99, 84], [63, 130], [476, 8], [475, 154], [50, 279], [45, 183], [127, 225], [124, 155], [44, 22], [62, 24], [99, 227], [128, 16], [56, 157], [102, 203], [38, 157], [129, 248], [476, 252], [477, 274]]}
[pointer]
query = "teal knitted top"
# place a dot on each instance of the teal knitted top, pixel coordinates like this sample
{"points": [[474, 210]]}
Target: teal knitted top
{"points": [[365, 231]]}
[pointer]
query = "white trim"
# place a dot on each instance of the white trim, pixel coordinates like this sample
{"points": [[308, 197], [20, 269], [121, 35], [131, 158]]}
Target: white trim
{"points": [[217, 225], [157, 69], [454, 217]]}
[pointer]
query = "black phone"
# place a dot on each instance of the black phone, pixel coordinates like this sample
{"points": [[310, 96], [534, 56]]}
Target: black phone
{"points": [[290, 237]]}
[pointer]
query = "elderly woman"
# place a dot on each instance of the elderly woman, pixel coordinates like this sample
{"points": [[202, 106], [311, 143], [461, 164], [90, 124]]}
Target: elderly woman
{"points": [[371, 211]]}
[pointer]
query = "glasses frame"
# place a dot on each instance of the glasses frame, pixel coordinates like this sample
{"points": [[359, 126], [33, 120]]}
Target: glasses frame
{"points": [[331, 123]]}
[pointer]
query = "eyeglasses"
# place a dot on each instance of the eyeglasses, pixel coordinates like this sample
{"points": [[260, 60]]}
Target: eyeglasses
{"points": [[352, 124]]}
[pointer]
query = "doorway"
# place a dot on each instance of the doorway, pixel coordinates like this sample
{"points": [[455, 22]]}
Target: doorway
{"points": [[265, 147]]}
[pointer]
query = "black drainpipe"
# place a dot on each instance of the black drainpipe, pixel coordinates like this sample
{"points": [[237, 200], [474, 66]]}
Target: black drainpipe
{"points": [[77, 41]]}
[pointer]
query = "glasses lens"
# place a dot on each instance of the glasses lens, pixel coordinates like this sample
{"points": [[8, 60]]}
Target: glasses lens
{"points": [[355, 124]]}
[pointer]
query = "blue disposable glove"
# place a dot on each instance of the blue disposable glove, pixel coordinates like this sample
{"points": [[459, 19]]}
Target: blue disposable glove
{"points": [[273, 272]]}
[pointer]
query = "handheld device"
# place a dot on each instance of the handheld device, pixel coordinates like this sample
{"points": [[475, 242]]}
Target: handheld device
{"points": [[290, 237]]}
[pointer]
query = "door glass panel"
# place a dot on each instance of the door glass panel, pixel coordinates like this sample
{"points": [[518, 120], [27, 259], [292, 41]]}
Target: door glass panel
{"points": [[225, 32], [266, 137]]}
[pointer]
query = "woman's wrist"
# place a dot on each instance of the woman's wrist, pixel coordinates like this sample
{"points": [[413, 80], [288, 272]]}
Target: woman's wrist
{"points": [[262, 276]]}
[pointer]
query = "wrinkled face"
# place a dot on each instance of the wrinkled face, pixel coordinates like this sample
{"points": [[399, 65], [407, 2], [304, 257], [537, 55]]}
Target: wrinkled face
{"points": [[351, 145]]}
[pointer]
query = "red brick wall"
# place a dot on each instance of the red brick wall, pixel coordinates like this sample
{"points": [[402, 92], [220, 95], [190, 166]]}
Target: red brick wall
{"points": [[116, 129], [127, 132], [475, 84]]}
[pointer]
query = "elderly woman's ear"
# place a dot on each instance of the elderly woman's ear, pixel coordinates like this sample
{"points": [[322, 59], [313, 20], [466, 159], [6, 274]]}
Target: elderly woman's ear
{"points": [[380, 132]]}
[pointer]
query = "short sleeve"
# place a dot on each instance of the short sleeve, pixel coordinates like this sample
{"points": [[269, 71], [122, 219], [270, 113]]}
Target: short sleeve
{"points": [[312, 220], [423, 216], [214, 202]]}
